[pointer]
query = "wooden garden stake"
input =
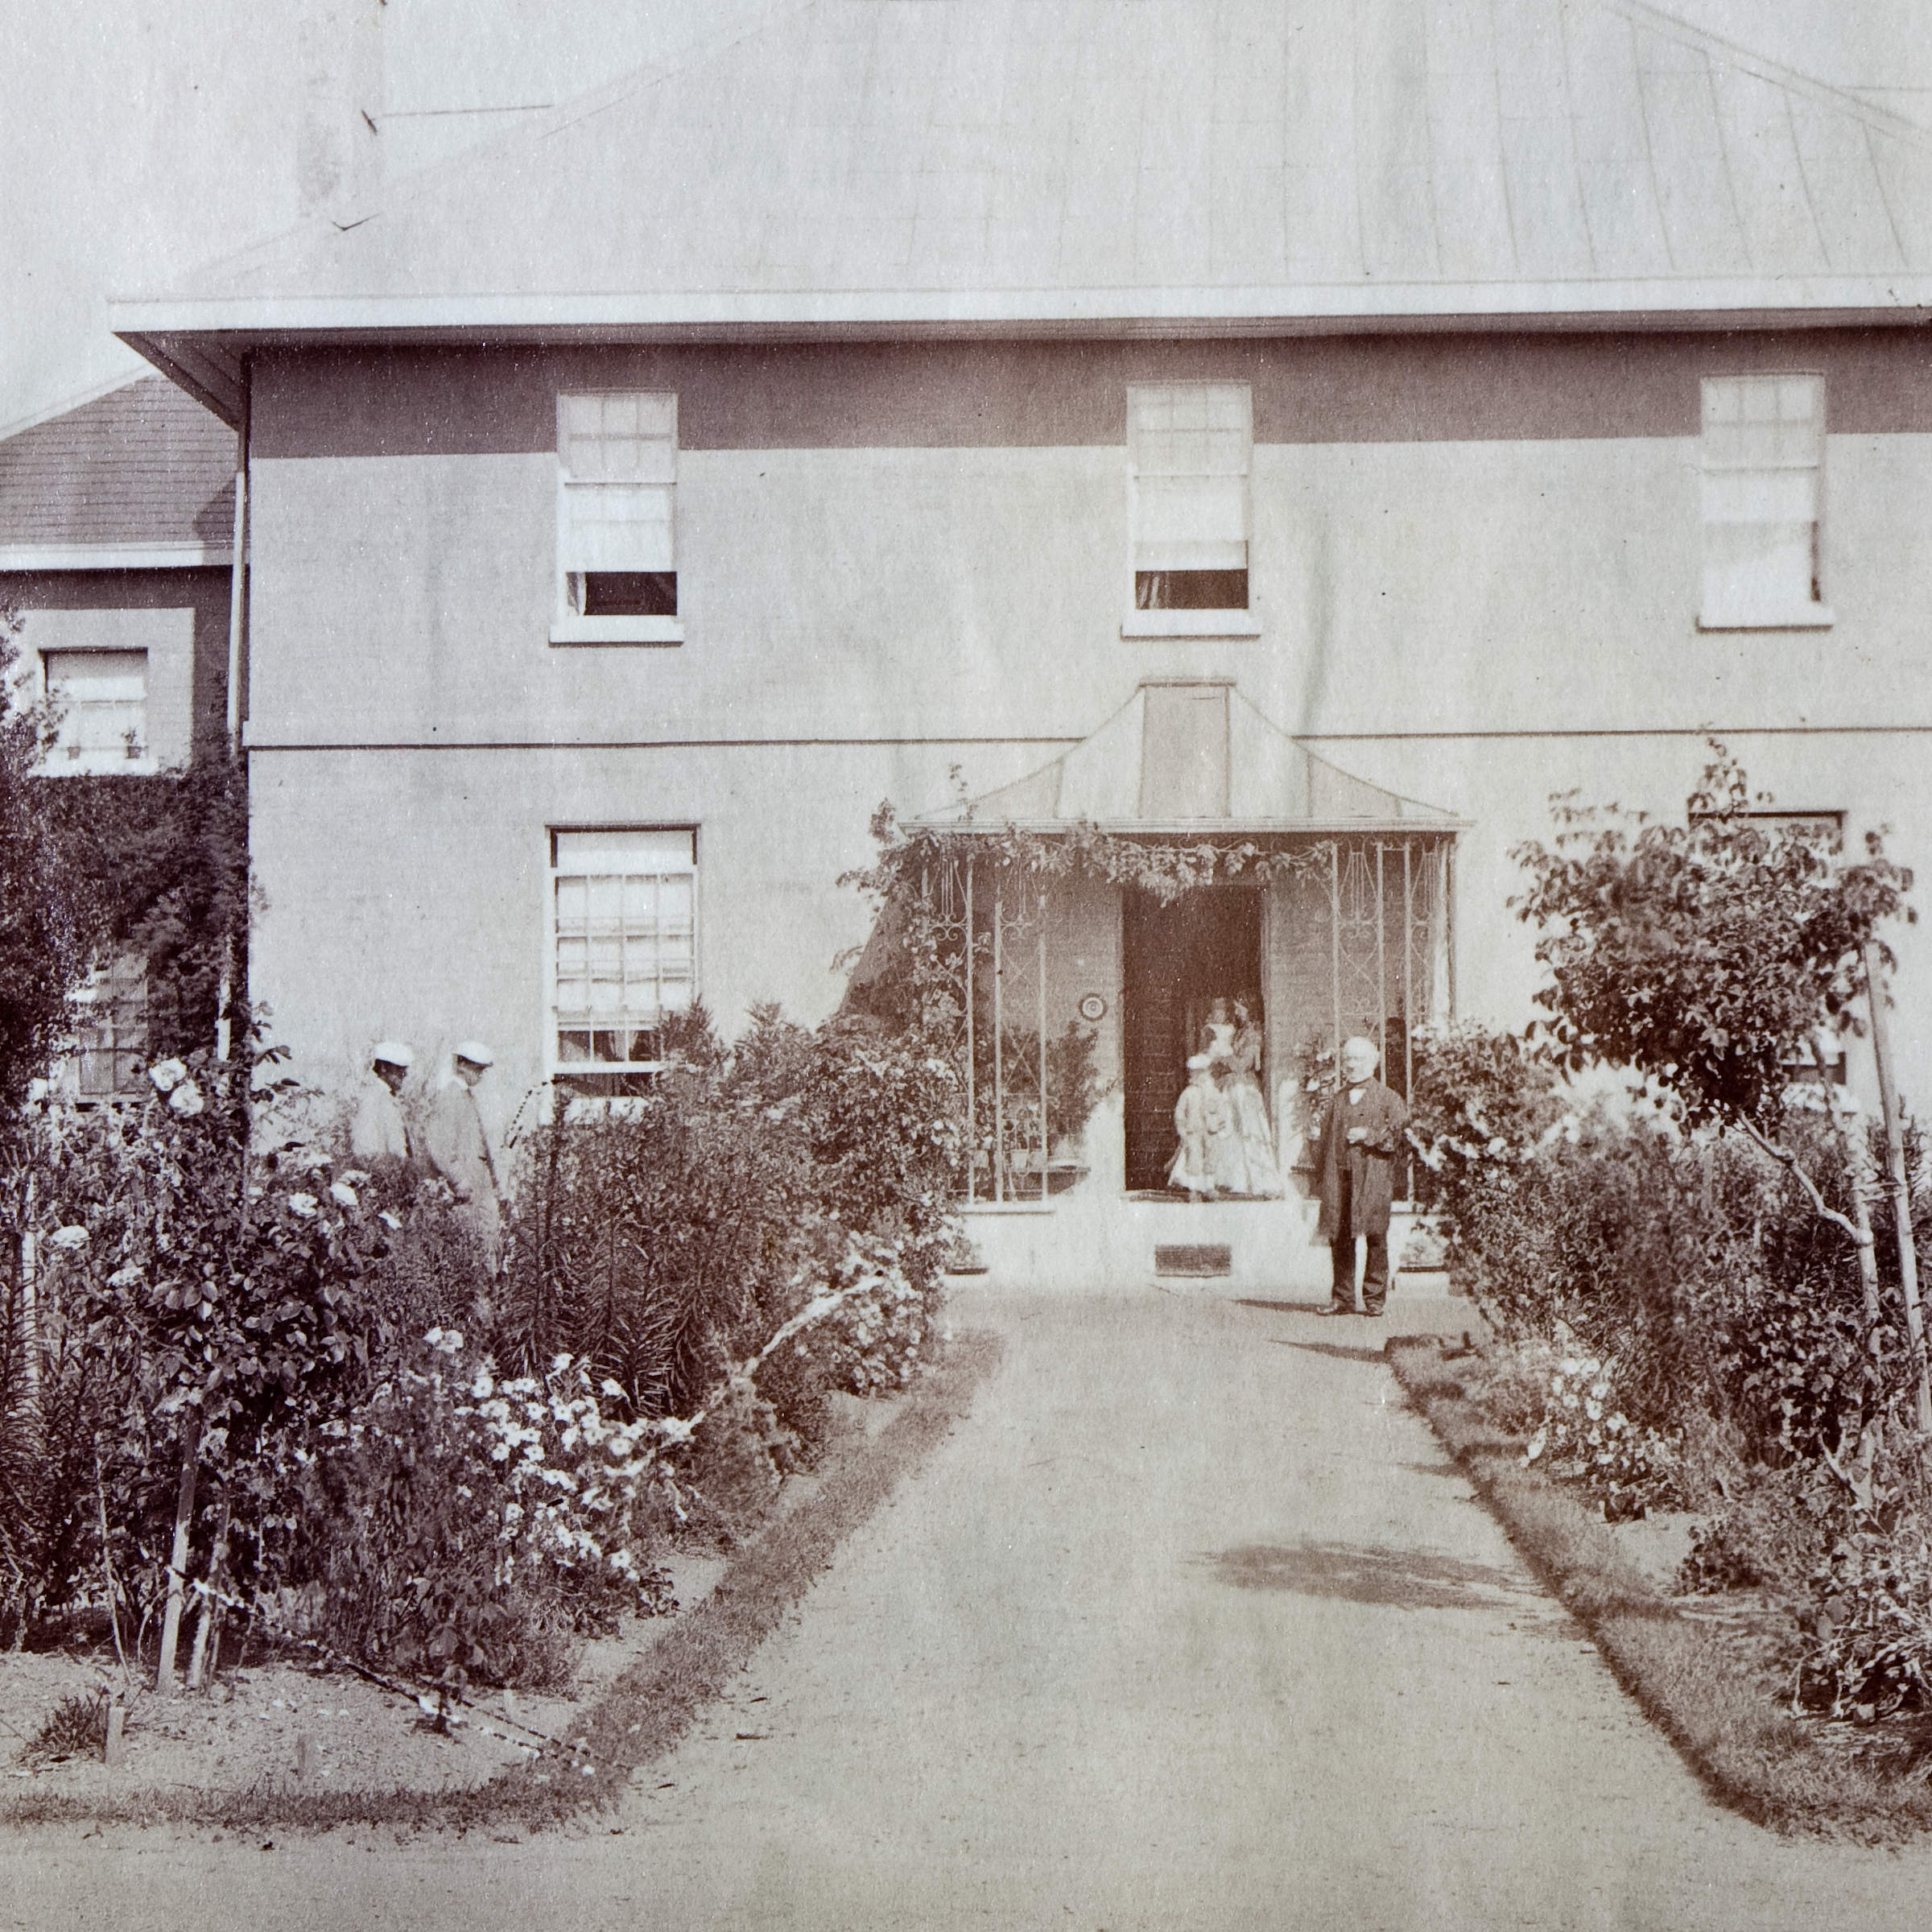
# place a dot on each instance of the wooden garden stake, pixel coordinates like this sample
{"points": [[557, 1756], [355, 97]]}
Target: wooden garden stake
{"points": [[1901, 1190], [1867, 1249], [113, 1748], [177, 1561]]}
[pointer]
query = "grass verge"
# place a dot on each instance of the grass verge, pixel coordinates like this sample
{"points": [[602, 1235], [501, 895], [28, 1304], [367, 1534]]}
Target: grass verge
{"points": [[651, 1705], [1751, 1755]]}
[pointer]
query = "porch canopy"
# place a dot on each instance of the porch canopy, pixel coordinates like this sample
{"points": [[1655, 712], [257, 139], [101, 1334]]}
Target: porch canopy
{"points": [[1185, 754], [1241, 862]]}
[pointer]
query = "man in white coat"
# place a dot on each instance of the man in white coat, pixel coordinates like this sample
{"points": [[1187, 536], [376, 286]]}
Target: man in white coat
{"points": [[378, 1136], [459, 1148]]}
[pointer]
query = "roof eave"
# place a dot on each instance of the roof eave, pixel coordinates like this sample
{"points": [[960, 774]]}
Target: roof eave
{"points": [[199, 341]]}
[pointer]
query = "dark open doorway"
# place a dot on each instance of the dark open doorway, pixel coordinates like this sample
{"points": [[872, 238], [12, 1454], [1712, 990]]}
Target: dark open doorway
{"points": [[1177, 960]]}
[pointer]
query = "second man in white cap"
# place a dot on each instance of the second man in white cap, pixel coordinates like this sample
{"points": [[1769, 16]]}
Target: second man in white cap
{"points": [[458, 1147]]}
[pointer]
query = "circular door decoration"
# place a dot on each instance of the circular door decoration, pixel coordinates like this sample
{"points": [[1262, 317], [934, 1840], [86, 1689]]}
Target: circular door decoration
{"points": [[1093, 1007]]}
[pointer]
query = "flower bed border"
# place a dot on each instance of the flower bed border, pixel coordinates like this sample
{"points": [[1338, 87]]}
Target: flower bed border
{"points": [[1751, 1756], [652, 1703]]}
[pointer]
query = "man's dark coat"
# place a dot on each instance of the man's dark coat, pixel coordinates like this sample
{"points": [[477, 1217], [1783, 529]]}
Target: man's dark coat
{"points": [[1371, 1162]]}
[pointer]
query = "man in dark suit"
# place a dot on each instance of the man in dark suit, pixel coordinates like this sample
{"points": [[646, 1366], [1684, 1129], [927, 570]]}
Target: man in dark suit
{"points": [[1361, 1134]]}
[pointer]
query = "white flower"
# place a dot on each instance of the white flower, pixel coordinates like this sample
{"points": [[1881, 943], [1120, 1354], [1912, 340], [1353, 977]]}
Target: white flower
{"points": [[343, 1195], [186, 1100], [391, 1220], [73, 1236], [608, 1387], [445, 1341], [1537, 1443], [559, 1363], [166, 1075], [483, 1386], [302, 1204], [673, 1430]]}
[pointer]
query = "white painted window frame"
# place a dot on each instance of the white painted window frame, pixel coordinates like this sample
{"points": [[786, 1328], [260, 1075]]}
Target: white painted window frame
{"points": [[554, 1065], [1244, 622], [59, 761], [568, 625], [1781, 480]]}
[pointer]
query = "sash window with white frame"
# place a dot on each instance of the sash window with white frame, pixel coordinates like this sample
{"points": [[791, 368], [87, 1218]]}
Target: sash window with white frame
{"points": [[617, 525], [1190, 445], [100, 698], [109, 1057], [623, 953], [1763, 461]]}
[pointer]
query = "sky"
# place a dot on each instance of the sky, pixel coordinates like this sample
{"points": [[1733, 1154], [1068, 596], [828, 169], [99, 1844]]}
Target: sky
{"points": [[141, 138]]}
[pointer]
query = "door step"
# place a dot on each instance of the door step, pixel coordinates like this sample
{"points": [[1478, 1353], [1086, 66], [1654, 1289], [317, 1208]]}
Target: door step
{"points": [[1197, 1260]]}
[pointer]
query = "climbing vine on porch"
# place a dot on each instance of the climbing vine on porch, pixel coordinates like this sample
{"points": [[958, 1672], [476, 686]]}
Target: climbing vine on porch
{"points": [[1169, 868]]}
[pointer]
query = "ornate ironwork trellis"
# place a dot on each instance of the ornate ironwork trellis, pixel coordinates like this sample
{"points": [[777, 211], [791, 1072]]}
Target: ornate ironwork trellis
{"points": [[982, 914], [986, 909]]}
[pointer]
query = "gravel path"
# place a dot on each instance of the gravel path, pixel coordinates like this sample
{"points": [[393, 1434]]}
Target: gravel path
{"points": [[1189, 1624]]}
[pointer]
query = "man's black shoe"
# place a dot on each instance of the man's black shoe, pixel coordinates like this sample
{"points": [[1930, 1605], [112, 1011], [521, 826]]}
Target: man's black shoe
{"points": [[1374, 1314], [1333, 1308]]}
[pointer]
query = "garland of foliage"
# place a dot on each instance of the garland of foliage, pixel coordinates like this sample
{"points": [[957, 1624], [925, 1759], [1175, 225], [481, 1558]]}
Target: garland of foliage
{"points": [[1169, 868]]}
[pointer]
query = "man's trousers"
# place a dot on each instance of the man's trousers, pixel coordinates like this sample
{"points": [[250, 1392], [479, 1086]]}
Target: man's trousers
{"points": [[1341, 1259]]}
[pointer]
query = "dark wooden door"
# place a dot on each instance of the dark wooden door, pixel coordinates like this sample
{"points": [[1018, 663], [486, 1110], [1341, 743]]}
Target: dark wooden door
{"points": [[1176, 960]]}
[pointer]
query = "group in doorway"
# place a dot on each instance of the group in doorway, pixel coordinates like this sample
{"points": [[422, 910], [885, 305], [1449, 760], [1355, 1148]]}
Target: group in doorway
{"points": [[1226, 1146]]}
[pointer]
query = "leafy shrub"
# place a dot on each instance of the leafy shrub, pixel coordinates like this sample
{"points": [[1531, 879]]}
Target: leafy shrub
{"points": [[1585, 1437], [459, 1526], [1775, 1530], [1872, 1653]]}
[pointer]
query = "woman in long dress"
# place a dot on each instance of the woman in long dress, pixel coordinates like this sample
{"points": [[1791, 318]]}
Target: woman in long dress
{"points": [[1249, 1108]]}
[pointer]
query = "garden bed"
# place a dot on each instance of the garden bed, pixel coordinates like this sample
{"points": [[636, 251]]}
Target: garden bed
{"points": [[1708, 1670], [288, 1742]]}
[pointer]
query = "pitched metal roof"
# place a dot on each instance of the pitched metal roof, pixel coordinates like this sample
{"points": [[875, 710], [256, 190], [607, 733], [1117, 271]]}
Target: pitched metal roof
{"points": [[143, 475], [873, 164], [1190, 755]]}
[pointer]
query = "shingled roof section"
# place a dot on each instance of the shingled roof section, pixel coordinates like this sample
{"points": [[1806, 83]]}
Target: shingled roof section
{"points": [[143, 468], [1382, 156]]}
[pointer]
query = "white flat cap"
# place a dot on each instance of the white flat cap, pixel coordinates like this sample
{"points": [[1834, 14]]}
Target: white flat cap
{"points": [[475, 1053], [396, 1053]]}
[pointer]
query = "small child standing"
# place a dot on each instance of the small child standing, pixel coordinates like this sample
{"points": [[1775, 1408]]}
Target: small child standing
{"points": [[1200, 1119]]}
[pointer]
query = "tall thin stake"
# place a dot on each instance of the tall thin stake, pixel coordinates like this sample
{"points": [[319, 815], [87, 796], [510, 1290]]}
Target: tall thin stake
{"points": [[1381, 963], [1901, 1190], [1042, 938], [972, 1118], [1335, 942], [999, 1030]]}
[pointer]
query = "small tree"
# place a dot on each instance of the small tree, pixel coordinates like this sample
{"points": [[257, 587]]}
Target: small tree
{"points": [[1709, 955]]}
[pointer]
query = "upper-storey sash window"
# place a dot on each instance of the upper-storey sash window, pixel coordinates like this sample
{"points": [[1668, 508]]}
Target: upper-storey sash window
{"points": [[1190, 445], [617, 545], [100, 698], [1763, 459]]}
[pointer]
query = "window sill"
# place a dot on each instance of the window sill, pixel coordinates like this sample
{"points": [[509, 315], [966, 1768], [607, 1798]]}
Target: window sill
{"points": [[617, 630], [1807, 617], [90, 768], [1191, 624]]}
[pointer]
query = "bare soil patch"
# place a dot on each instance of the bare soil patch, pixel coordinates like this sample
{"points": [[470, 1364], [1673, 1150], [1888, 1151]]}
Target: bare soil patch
{"points": [[289, 1742]]}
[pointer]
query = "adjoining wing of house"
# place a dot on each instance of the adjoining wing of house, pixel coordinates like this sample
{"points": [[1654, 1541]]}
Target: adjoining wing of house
{"points": [[117, 530], [1353, 401]]}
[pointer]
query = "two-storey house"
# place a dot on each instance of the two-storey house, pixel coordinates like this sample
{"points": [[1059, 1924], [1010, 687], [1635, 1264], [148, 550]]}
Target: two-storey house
{"points": [[1226, 423]]}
